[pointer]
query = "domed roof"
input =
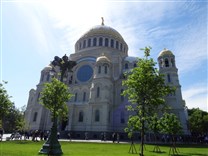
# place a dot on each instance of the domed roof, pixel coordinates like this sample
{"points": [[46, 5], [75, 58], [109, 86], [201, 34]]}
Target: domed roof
{"points": [[47, 68], [102, 59], [102, 29], [165, 52]]}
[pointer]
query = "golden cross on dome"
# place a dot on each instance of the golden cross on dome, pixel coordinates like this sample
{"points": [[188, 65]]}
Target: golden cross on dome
{"points": [[102, 21]]}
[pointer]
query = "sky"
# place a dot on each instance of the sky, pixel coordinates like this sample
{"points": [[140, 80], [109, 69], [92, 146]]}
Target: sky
{"points": [[33, 32]]}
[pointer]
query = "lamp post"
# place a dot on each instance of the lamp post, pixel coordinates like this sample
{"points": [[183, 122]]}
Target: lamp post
{"points": [[52, 146]]}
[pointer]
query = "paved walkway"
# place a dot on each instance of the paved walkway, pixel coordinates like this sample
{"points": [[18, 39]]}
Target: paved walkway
{"points": [[72, 140]]}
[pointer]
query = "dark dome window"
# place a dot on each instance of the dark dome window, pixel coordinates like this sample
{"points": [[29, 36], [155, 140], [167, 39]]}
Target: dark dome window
{"points": [[112, 43], [89, 42], [84, 73], [94, 41], [106, 42], [100, 41], [116, 44]]}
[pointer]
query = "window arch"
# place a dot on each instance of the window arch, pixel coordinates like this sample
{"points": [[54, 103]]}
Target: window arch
{"points": [[173, 62], [97, 115], [35, 116], [121, 46], [99, 69], [168, 76], [116, 44], [48, 77], [98, 92], [89, 42], [112, 43], [106, 69], [166, 63], [106, 42], [81, 116], [135, 65], [84, 44], [100, 41], [80, 45], [84, 96], [94, 41], [75, 97]]}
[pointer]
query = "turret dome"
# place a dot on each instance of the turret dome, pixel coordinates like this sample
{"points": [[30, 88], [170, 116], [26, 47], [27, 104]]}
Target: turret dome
{"points": [[47, 68], [165, 52], [102, 59]]}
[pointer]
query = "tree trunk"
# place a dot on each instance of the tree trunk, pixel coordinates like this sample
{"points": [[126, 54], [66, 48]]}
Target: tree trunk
{"points": [[142, 131]]}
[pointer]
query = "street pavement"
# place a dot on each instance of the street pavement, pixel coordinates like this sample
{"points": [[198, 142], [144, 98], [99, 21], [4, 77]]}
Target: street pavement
{"points": [[72, 140]]}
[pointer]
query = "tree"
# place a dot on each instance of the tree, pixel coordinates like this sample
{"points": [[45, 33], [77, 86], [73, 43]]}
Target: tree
{"points": [[54, 97], [198, 122], [145, 89], [154, 126], [169, 124], [5, 103]]}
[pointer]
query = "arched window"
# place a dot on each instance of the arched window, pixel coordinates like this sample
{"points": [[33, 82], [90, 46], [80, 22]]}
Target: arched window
{"points": [[116, 44], [35, 116], [126, 66], [75, 97], [80, 45], [135, 65], [173, 62], [97, 115], [48, 77], [98, 92], [100, 41], [99, 69], [122, 117], [166, 63], [89, 42], [112, 43], [81, 116], [106, 42], [169, 79], [84, 96], [94, 41], [106, 69], [121, 46], [84, 44]]}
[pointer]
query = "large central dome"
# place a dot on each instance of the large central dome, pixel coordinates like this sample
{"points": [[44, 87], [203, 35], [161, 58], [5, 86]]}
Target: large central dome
{"points": [[101, 36], [102, 30]]}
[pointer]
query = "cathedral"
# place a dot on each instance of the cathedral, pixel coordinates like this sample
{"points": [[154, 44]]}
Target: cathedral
{"points": [[101, 56]]}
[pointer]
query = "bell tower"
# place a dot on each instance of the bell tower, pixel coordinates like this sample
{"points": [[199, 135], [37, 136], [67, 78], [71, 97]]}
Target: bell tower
{"points": [[167, 66]]}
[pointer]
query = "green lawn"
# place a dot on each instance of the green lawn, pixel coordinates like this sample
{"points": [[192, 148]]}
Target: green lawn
{"points": [[29, 148]]}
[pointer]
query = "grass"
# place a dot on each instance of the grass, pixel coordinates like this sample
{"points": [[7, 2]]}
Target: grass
{"points": [[29, 148]]}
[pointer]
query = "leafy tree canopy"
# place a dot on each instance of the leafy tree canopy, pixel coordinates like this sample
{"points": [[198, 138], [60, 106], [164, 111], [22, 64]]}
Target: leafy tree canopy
{"points": [[198, 121], [145, 89], [5, 103], [170, 124], [54, 97]]}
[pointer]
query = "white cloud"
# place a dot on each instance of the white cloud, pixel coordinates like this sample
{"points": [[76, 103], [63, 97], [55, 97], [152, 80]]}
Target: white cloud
{"points": [[196, 96]]}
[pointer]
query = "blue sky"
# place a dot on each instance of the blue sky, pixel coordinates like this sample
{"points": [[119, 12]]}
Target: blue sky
{"points": [[33, 32]]}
